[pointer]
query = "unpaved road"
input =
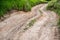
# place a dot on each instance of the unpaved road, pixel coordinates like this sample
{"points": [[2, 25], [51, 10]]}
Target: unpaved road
{"points": [[16, 27]]}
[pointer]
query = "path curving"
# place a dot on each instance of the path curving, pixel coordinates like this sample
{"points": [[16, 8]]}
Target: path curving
{"points": [[45, 27]]}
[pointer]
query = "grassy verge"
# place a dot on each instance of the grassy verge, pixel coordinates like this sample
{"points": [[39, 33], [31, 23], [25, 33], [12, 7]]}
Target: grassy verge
{"points": [[55, 6], [25, 5]]}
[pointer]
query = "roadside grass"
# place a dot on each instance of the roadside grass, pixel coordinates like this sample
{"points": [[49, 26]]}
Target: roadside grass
{"points": [[54, 5], [24, 5]]}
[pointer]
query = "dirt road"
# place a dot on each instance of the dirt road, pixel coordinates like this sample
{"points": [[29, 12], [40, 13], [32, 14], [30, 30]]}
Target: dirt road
{"points": [[44, 28]]}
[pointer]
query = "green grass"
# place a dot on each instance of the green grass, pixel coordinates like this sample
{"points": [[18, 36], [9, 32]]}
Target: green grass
{"points": [[54, 5], [25, 5], [32, 22]]}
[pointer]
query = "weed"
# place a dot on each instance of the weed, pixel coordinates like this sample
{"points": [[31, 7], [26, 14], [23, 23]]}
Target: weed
{"points": [[32, 22]]}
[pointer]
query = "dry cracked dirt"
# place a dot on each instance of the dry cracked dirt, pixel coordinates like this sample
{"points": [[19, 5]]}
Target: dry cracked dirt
{"points": [[38, 24]]}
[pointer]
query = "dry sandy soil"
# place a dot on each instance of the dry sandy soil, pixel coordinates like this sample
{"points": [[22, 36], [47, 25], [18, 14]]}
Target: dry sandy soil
{"points": [[16, 27]]}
